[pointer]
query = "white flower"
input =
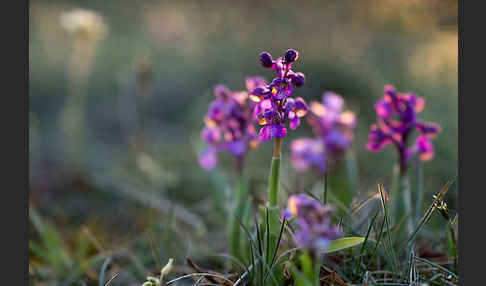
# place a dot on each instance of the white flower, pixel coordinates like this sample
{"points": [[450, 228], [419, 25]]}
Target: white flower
{"points": [[84, 23]]}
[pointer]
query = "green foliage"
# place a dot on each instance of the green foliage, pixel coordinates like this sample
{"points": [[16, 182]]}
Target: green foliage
{"points": [[344, 180], [344, 243], [68, 265]]}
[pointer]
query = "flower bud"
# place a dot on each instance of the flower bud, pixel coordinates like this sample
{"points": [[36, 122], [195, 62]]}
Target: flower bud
{"points": [[291, 56], [266, 59], [167, 268], [298, 79]]}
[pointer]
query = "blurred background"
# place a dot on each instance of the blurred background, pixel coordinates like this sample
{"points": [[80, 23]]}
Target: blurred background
{"points": [[116, 109]]}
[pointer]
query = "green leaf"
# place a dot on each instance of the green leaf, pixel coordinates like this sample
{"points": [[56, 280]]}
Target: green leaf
{"points": [[343, 243], [299, 277], [343, 180]]}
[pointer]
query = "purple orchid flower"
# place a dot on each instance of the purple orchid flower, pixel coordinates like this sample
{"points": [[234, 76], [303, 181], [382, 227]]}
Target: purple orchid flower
{"points": [[275, 106], [228, 126], [334, 131], [315, 231], [330, 123], [397, 117], [307, 153]]}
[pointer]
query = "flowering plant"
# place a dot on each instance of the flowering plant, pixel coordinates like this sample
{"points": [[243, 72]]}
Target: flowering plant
{"points": [[333, 129], [315, 231], [275, 106], [397, 116], [228, 127]]}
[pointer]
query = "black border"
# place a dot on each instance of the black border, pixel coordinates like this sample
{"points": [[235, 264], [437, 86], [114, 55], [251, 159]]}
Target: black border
{"points": [[14, 139], [471, 203]]}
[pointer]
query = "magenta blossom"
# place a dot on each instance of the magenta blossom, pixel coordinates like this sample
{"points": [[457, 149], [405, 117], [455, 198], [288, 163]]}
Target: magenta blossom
{"points": [[330, 123], [334, 131], [397, 117], [229, 126], [315, 231], [275, 106], [307, 153]]}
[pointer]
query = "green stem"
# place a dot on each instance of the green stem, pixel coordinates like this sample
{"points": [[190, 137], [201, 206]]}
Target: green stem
{"points": [[239, 207], [420, 191], [397, 207], [274, 179], [454, 244], [273, 210], [324, 197], [343, 179], [407, 201]]}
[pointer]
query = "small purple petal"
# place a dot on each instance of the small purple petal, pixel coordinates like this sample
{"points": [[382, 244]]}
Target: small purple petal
{"points": [[237, 147], [278, 131], [332, 101], [390, 92], [264, 134], [216, 110], [221, 91], [338, 141], [377, 140], [294, 122], [301, 107], [428, 128], [298, 79], [425, 148], [286, 214], [253, 82], [208, 158], [306, 152], [211, 135], [383, 108]]}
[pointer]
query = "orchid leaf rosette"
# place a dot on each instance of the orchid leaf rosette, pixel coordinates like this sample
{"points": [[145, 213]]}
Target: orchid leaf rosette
{"points": [[229, 127]]}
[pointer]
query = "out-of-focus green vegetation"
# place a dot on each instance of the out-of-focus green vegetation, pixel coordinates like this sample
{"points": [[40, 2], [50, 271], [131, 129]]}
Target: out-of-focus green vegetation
{"points": [[115, 119]]}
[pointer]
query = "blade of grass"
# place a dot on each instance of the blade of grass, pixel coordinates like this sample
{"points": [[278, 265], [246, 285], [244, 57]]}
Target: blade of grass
{"points": [[324, 196], [453, 241], [411, 267], [267, 254], [275, 252], [378, 239], [437, 266], [420, 190], [104, 267], [200, 274], [428, 214], [358, 263], [154, 248], [111, 279], [360, 205], [260, 257], [252, 264], [260, 250], [387, 224]]}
